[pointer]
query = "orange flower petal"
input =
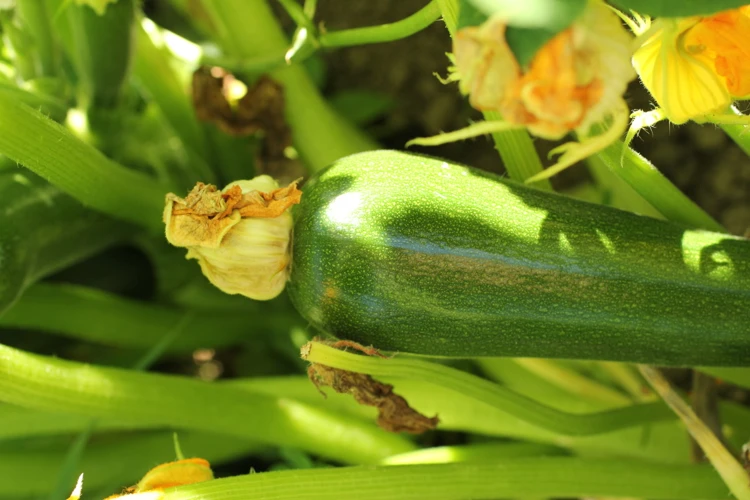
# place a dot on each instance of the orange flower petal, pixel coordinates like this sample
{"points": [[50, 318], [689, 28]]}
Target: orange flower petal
{"points": [[726, 38], [485, 64]]}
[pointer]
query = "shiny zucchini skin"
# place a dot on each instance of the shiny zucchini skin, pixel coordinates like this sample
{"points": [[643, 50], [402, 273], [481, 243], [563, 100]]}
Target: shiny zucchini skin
{"points": [[414, 254]]}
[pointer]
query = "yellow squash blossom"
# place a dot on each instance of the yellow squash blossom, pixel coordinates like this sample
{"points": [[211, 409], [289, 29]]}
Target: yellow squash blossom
{"points": [[574, 81], [694, 67], [167, 475]]}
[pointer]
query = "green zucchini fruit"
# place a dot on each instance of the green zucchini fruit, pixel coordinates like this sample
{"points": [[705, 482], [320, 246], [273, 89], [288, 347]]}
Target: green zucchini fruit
{"points": [[414, 254]]}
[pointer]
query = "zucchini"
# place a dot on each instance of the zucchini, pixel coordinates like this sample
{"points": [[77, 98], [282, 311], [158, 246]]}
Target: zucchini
{"points": [[414, 254]]}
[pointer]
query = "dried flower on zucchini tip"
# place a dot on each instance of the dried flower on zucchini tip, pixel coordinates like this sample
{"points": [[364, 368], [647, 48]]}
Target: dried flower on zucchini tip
{"points": [[241, 235]]}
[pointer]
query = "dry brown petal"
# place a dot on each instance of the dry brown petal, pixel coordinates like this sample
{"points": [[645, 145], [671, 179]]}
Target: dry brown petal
{"points": [[271, 204], [205, 215]]}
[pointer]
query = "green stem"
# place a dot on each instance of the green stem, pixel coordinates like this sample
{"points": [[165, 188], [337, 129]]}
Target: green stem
{"points": [[627, 377], [320, 135], [336, 39], [523, 477], [67, 471], [71, 462], [384, 32], [92, 315], [665, 442], [49, 104], [736, 376], [571, 381], [738, 133], [20, 46], [515, 147], [54, 385], [656, 189], [309, 8], [36, 19], [480, 389], [517, 151], [482, 452], [733, 474], [449, 10], [298, 15], [153, 69], [48, 149], [615, 192], [112, 462], [101, 48]]}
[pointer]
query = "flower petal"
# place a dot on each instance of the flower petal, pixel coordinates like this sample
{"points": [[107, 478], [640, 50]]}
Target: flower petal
{"points": [[681, 79]]}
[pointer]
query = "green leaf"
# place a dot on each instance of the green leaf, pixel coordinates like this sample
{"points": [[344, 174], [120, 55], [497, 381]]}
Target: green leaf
{"points": [[677, 8], [531, 23]]}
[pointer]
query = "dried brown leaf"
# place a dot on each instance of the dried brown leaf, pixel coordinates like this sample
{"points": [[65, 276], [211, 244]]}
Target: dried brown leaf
{"points": [[394, 412]]}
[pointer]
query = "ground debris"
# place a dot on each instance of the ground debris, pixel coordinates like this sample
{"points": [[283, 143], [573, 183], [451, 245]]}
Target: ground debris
{"points": [[259, 111], [394, 412]]}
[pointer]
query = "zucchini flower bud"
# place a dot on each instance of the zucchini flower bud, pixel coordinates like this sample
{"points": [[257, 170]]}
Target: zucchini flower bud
{"points": [[575, 80], [694, 67], [240, 236]]}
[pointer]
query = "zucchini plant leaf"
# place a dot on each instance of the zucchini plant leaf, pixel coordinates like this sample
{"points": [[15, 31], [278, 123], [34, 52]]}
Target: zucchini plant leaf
{"points": [[531, 23], [677, 8]]}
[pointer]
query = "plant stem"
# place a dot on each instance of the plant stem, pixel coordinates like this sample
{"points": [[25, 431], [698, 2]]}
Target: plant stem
{"points": [[738, 133], [482, 452], [736, 376], [515, 147], [36, 19], [101, 48], [48, 149], [517, 151], [513, 403], [733, 474], [520, 478], [114, 461], [93, 315], [616, 192], [48, 103], [656, 189], [152, 68], [297, 13], [384, 32], [55, 385], [320, 135], [572, 381]]}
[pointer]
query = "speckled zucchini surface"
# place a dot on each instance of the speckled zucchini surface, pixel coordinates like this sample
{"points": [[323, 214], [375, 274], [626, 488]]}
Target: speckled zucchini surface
{"points": [[414, 254]]}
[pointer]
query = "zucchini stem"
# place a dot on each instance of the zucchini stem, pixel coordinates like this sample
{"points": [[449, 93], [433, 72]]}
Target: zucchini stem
{"points": [[156, 400], [492, 394], [548, 477], [734, 475]]}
